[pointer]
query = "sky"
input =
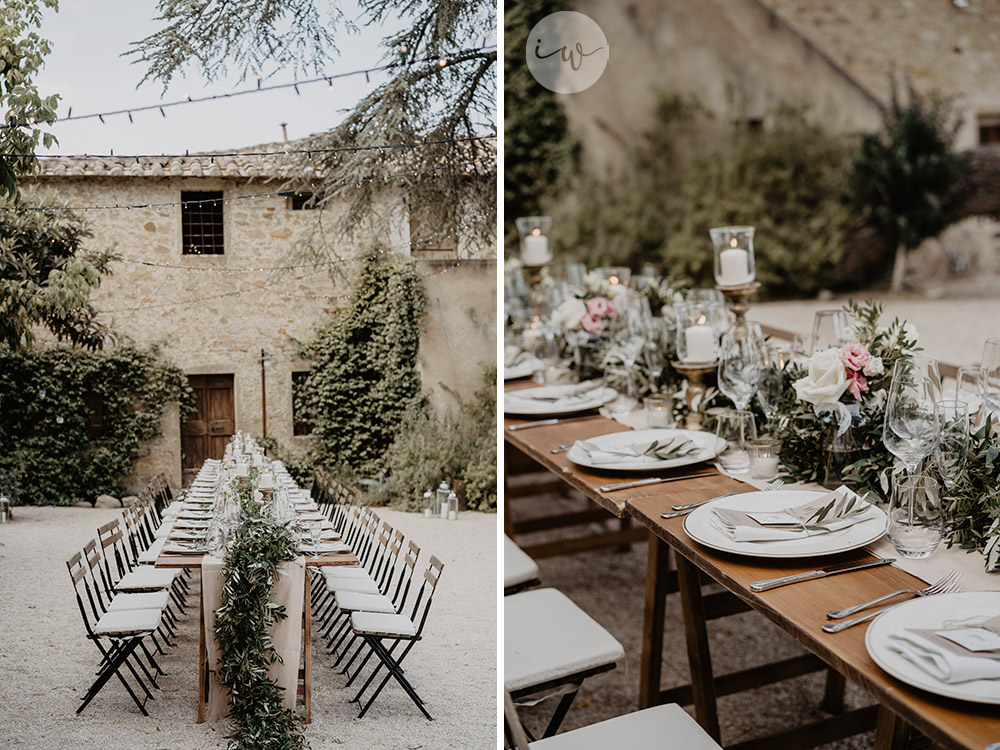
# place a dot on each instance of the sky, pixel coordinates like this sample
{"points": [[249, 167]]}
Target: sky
{"points": [[86, 69]]}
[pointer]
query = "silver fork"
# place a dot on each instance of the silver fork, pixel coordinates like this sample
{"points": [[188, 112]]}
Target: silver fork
{"points": [[950, 577], [947, 585], [681, 510], [561, 448]]}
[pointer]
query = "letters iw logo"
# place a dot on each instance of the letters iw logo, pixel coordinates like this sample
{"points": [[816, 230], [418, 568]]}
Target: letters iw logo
{"points": [[567, 52]]}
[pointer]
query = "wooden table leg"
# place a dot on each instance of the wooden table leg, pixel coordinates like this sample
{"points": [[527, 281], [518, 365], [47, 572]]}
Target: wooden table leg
{"points": [[891, 732], [653, 616], [202, 652], [508, 506], [307, 637], [699, 657]]}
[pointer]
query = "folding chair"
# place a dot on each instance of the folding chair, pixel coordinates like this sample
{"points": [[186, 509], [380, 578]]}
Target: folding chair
{"points": [[131, 577], [665, 727], [376, 627], [551, 646], [519, 570], [125, 629]]}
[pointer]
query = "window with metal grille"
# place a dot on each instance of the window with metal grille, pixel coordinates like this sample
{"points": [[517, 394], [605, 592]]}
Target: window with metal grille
{"points": [[201, 222]]}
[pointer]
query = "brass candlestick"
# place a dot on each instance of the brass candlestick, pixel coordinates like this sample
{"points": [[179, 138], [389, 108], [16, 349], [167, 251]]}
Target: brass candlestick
{"points": [[265, 495], [533, 275], [736, 298], [695, 373]]}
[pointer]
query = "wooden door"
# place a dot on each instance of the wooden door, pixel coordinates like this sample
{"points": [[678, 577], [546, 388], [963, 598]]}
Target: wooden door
{"points": [[205, 433]]}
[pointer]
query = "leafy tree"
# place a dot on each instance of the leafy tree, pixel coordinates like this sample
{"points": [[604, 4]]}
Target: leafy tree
{"points": [[21, 54], [902, 175], [537, 147], [429, 96], [45, 279]]}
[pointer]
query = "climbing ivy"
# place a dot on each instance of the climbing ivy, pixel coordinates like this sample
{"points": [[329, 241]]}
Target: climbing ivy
{"points": [[72, 423]]}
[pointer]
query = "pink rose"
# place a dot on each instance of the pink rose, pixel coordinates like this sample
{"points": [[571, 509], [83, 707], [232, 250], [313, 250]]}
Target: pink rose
{"points": [[858, 384], [855, 357], [592, 323], [601, 307]]}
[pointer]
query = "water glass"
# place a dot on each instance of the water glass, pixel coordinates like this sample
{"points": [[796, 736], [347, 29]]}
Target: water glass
{"points": [[741, 359], [829, 330], [801, 346], [910, 431], [659, 410], [969, 388], [736, 428], [916, 520], [952, 451], [764, 457], [990, 383], [770, 383]]}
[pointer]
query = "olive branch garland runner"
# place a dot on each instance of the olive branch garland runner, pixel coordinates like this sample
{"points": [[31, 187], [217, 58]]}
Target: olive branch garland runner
{"points": [[671, 449], [242, 630]]}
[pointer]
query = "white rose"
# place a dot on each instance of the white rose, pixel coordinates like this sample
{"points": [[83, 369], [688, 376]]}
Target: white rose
{"points": [[569, 314], [874, 367], [826, 381]]}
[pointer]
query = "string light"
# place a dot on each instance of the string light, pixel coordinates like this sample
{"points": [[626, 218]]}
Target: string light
{"points": [[275, 87], [168, 204]]}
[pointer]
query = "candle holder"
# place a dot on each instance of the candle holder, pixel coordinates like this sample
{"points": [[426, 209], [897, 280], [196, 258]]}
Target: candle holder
{"points": [[695, 373], [534, 231], [736, 299]]}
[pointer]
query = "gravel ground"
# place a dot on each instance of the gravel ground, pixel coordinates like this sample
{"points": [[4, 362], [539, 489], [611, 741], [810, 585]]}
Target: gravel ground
{"points": [[46, 663]]}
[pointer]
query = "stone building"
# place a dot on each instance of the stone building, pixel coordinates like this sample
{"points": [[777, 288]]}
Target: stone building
{"points": [[216, 284], [834, 56]]}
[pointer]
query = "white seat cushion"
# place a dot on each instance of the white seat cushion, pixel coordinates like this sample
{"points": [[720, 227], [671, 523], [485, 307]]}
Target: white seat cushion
{"points": [[146, 578], [665, 727], [353, 601], [359, 585], [162, 531], [144, 600], [375, 623], [341, 572], [128, 621], [149, 556], [518, 567], [548, 637]]}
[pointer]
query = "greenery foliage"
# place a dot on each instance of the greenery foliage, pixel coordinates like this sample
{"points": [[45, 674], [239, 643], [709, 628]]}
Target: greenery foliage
{"points": [[364, 379], [458, 446], [242, 630], [786, 179], [973, 507], [49, 451], [21, 56], [902, 175], [45, 279]]}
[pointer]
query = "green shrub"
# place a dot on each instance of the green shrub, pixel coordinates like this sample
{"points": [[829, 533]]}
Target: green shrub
{"points": [[364, 379], [52, 451], [457, 446]]}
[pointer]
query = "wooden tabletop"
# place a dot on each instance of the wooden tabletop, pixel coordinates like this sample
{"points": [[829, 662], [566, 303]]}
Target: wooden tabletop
{"points": [[799, 609], [194, 561]]}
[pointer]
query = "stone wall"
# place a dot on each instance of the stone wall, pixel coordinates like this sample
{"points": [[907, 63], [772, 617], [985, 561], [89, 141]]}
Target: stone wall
{"points": [[210, 315], [714, 49]]}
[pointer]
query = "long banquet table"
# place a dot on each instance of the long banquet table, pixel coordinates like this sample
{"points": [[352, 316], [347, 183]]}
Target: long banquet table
{"points": [[194, 562], [799, 609]]}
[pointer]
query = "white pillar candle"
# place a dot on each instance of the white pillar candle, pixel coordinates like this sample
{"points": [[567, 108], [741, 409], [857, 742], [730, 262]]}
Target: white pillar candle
{"points": [[700, 343], [734, 267], [764, 468], [266, 481], [444, 510], [535, 250], [242, 471]]}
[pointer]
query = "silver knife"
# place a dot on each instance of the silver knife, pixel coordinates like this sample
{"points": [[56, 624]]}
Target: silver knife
{"points": [[847, 567], [652, 480], [544, 422]]}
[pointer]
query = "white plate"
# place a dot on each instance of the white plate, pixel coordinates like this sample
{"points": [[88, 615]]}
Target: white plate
{"points": [[707, 443], [699, 526], [514, 405], [933, 612], [522, 370]]}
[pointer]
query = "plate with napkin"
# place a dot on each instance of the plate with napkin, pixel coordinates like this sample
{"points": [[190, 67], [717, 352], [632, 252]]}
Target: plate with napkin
{"points": [[947, 644], [521, 365], [645, 450], [787, 523], [550, 400]]}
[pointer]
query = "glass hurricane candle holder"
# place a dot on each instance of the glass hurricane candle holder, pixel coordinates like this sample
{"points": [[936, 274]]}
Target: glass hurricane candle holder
{"points": [[534, 240], [614, 275], [734, 261], [697, 337]]}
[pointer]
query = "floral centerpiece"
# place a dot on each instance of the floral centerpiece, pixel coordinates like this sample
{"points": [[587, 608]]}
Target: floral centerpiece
{"points": [[833, 405]]}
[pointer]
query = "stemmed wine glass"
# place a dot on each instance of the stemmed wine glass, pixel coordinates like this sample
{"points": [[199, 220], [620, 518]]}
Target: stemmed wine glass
{"points": [[829, 330], [969, 388], [990, 382], [629, 332], [910, 431], [952, 450], [741, 360], [769, 386]]}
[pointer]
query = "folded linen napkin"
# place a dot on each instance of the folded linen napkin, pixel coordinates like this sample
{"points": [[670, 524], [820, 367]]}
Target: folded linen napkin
{"points": [[790, 523], [645, 452], [946, 660], [565, 395]]}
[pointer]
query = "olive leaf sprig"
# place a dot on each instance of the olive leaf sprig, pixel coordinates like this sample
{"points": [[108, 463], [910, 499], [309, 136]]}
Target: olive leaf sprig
{"points": [[837, 509], [670, 449]]}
